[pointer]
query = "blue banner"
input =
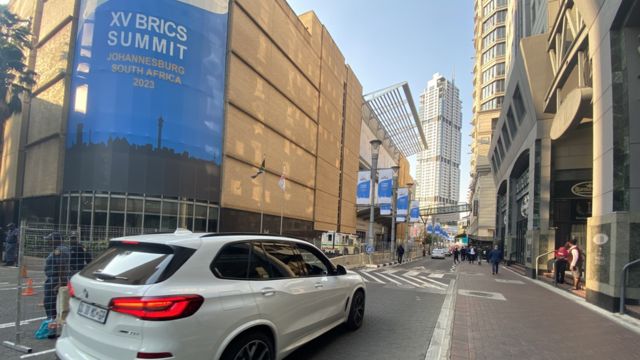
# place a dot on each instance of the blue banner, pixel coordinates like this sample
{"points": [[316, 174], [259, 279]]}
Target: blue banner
{"points": [[147, 97], [414, 213], [363, 191], [385, 190], [402, 207], [430, 229]]}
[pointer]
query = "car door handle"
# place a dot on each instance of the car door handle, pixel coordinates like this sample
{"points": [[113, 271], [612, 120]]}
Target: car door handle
{"points": [[319, 285], [268, 291]]}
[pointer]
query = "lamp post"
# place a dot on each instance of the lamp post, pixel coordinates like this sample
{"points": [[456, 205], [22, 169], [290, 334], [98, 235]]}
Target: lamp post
{"points": [[394, 205], [375, 149], [406, 238]]}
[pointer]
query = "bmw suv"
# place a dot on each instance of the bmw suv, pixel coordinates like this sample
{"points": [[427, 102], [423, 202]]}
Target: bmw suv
{"points": [[206, 296]]}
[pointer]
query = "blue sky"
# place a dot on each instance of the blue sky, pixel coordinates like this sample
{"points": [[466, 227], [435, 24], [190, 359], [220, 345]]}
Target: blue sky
{"points": [[390, 41]]}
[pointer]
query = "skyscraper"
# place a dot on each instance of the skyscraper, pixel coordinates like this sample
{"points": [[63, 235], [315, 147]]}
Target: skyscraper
{"points": [[438, 170]]}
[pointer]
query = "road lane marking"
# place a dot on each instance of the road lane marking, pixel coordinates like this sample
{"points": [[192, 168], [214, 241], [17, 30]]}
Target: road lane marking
{"points": [[23, 322], [424, 284], [37, 354], [408, 281], [437, 276], [373, 277], [411, 273], [434, 281], [390, 279], [391, 271]]}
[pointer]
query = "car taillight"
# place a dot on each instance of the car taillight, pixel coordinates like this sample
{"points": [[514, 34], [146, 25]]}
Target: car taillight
{"points": [[158, 308], [72, 292]]}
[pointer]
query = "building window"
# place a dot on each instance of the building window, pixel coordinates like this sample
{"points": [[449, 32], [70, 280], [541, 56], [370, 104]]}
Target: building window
{"points": [[519, 105], [513, 127], [505, 136], [501, 148], [494, 52]]}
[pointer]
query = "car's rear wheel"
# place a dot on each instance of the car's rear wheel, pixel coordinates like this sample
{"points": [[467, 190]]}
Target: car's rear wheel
{"points": [[254, 345], [356, 311]]}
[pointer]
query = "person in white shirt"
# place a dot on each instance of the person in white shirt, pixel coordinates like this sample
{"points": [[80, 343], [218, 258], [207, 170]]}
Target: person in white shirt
{"points": [[576, 263]]}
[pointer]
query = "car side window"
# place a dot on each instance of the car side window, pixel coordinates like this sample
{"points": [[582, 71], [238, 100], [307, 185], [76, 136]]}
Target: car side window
{"points": [[259, 265], [232, 261], [314, 265], [285, 261]]}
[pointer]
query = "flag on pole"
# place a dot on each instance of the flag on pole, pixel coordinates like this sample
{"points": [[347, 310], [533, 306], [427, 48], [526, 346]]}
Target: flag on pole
{"points": [[281, 182], [260, 170]]}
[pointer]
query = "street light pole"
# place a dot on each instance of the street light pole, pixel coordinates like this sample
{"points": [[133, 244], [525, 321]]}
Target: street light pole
{"points": [[375, 148], [394, 205], [406, 238]]}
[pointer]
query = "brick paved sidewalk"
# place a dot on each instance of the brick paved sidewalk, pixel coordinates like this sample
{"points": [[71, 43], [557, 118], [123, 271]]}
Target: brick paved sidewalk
{"points": [[530, 322]]}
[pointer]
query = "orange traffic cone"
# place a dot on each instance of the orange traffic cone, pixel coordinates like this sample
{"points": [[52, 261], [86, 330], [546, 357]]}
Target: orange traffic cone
{"points": [[29, 290]]}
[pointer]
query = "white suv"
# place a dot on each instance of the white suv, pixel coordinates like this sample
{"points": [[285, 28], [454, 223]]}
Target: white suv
{"points": [[206, 296]]}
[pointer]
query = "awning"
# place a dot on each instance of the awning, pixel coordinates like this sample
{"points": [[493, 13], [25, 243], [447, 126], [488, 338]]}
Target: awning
{"points": [[575, 107]]}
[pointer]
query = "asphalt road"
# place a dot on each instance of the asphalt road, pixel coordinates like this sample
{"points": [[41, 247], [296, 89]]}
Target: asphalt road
{"points": [[403, 305]]}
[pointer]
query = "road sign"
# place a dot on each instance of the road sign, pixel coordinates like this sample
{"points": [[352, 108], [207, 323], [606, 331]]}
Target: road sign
{"points": [[369, 249]]}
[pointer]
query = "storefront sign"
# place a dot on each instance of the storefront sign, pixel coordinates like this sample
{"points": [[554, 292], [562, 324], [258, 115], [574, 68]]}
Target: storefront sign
{"points": [[583, 189], [147, 98]]}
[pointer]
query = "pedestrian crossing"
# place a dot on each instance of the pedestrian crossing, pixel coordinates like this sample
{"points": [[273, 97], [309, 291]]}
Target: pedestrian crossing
{"points": [[417, 277]]}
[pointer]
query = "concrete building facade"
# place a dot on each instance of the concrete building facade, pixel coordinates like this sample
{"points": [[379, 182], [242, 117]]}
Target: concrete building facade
{"points": [[438, 167], [563, 151], [489, 80], [290, 102]]}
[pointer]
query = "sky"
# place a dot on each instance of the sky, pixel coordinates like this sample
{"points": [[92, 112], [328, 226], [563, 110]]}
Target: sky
{"points": [[389, 41]]}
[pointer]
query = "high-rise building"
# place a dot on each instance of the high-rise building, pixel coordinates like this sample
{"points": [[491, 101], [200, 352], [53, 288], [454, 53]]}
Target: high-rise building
{"points": [[438, 170], [490, 69]]}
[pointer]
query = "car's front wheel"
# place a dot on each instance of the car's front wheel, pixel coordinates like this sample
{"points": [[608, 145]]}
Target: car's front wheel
{"points": [[356, 311], [253, 345]]}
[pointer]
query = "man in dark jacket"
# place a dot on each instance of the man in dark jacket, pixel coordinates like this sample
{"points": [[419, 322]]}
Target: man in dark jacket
{"points": [[79, 256], [495, 256], [11, 246], [400, 253], [56, 269]]}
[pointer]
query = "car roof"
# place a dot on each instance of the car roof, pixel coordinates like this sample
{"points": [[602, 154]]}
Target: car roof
{"points": [[186, 238]]}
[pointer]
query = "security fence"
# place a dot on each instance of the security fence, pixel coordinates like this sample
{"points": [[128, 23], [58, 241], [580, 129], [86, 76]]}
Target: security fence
{"points": [[47, 257]]}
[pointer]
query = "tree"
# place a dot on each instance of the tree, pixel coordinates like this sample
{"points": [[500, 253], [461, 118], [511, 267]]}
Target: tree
{"points": [[15, 78]]}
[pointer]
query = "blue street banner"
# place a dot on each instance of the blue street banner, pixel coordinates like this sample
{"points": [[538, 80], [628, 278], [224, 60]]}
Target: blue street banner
{"points": [[402, 207], [430, 229], [414, 213], [385, 190], [400, 219], [147, 97], [363, 191], [437, 228]]}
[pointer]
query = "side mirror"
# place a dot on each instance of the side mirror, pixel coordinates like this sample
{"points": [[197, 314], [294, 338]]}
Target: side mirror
{"points": [[341, 270]]}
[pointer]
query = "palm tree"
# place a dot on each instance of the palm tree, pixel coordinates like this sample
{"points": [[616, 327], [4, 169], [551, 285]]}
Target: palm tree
{"points": [[15, 77]]}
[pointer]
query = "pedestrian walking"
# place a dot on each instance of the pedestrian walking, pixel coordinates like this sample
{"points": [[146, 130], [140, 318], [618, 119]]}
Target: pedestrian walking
{"points": [[561, 263], [495, 257], [79, 256], [472, 254], [576, 259], [400, 253], [463, 254], [456, 255], [11, 245], [56, 269]]}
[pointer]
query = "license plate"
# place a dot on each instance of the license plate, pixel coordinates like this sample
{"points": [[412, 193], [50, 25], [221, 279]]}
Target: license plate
{"points": [[93, 312]]}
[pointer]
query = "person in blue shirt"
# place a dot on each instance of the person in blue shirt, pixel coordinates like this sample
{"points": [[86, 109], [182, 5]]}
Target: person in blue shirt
{"points": [[56, 269], [495, 256]]}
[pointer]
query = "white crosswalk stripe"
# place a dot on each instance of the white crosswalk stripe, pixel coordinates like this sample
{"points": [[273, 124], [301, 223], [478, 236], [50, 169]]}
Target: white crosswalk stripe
{"points": [[371, 276], [434, 281], [414, 278]]}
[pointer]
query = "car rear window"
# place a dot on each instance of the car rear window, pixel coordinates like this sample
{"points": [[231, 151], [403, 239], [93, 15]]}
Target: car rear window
{"points": [[138, 263]]}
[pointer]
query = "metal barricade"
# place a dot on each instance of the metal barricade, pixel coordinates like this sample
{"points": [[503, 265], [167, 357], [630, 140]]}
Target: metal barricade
{"points": [[48, 255]]}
